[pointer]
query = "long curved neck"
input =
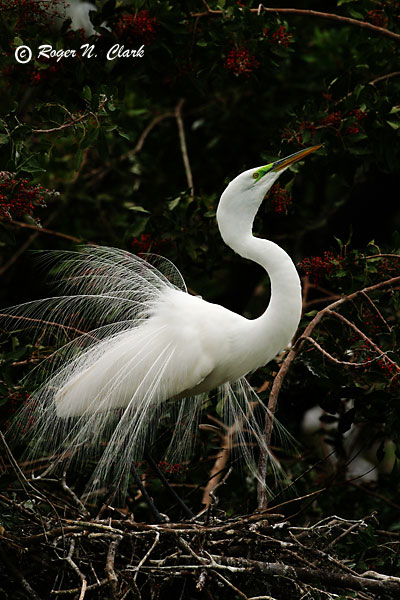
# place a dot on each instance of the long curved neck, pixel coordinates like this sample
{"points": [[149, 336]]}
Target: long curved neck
{"points": [[274, 329]]}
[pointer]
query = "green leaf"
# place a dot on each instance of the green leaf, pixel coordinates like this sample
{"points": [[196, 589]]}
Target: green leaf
{"points": [[356, 14], [87, 93], [4, 139], [393, 124], [174, 203], [357, 90], [139, 227], [138, 209], [123, 134]]}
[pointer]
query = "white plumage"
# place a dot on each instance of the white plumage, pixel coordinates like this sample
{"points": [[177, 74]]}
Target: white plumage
{"points": [[150, 341]]}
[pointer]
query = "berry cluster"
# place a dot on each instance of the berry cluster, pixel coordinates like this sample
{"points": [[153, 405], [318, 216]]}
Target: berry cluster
{"points": [[139, 27], [378, 18], [143, 244], [389, 268], [349, 124], [32, 11], [319, 267], [357, 115], [280, 37], [280, 199], [39, 75], [18, 197], [240, 62], [334, 119], [390, 372], [372, 321], [169, 468]]}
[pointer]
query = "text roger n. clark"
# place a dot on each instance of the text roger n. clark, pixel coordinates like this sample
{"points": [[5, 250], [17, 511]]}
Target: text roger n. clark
{"points": [[89, 51]]}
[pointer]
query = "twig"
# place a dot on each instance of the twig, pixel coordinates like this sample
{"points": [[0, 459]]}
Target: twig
{"points": [[304, 574], [312, 13], [43, 322], [142, 138], [74, 497], [93, 586], [182, 140], [75, 567], [156, 513], [376, 309], [341, 536], [109, 569], [363, 336], [383, 77], [336, 360], [166, 484], [285, 367], [64, 126], [214, 499], [229, 584], [102, 171], [66, 236], [25, 246], [146, 556]]}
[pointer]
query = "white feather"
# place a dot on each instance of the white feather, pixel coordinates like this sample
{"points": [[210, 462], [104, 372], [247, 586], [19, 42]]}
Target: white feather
{"points": [[145, 341]]}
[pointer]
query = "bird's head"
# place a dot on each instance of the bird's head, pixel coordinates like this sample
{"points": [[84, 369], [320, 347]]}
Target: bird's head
{"points": [[243, 196], [262, 178]]}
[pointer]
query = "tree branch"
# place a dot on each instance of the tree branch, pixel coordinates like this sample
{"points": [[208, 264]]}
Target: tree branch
{"points": [[311, 13], [285, 367], [49, 231], [182, 140]]}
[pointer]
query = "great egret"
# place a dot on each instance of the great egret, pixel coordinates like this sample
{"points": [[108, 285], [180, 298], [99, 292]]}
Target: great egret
{"points": [[150, 341]]}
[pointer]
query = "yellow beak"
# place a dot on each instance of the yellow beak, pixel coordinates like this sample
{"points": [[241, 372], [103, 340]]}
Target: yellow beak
{"points": [[289, 160]]}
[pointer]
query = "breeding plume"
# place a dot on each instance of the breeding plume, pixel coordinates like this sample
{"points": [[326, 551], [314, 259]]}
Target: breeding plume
{"points": [[145, 344]]}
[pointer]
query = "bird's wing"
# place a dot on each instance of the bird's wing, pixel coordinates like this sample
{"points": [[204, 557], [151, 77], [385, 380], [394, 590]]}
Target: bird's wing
{"points": [[146, 364]]}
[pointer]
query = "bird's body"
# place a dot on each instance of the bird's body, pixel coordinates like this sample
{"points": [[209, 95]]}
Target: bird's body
{"points": [[194, 344], [153, 341]]}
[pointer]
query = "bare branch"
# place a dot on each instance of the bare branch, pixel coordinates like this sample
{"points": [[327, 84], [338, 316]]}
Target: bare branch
{"points": [[110, 571], [182, 140], [312, 13], [285, 367], [66, 236]]}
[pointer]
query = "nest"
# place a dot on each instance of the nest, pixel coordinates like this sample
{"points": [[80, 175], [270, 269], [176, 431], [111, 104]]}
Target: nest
{"points": [[51, 546]]}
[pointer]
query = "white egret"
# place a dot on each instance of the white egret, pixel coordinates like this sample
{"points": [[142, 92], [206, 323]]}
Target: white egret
{"points": [[152, 341]]}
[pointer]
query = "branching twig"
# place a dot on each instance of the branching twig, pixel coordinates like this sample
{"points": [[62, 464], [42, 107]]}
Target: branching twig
{"points": [[44, 322], [182, 140], [66, 236], [75, 568], [64, 126], [28, 242], [110, 571], [285, 367], [336, 360], [146, 556], [74, 497], [311, 13]]}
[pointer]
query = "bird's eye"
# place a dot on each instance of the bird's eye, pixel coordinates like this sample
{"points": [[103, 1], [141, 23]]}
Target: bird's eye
{"points": [[255, 175]]}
